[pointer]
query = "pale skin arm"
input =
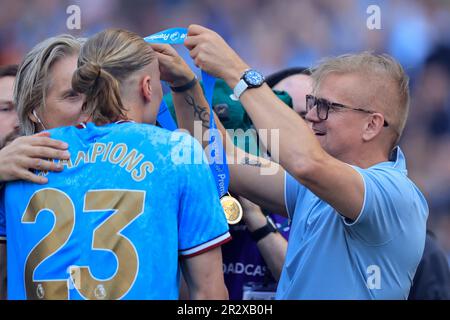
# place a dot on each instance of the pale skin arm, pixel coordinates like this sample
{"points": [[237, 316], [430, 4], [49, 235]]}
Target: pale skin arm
{"points": [[272, 247], [204, 276], [2, 271], [245, 169], [299, 150], [184, 290], [29, 152]]}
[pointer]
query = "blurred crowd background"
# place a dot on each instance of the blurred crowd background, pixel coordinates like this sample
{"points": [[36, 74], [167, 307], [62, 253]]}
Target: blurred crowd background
{"points": [[271, 35]]}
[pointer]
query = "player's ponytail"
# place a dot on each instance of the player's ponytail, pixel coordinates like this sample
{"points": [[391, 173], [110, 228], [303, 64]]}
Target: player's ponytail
{"points": [[102, 93], [106, 60]]}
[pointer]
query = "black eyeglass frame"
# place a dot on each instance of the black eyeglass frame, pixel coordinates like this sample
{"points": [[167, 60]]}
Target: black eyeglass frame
{"points": [[328, 104]]}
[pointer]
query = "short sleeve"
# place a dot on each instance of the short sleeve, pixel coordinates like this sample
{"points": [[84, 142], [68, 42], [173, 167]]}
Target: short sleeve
{"points": [[293, 190], [202, 223], [392, 205]]}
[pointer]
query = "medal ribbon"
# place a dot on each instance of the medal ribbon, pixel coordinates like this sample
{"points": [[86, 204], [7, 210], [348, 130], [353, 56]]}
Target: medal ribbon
{"points": [[217, 157]]}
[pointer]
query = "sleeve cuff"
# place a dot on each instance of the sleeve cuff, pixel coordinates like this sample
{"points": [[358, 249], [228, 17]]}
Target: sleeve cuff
{"points": [[347, 221], [197, 250], [285, 199]]}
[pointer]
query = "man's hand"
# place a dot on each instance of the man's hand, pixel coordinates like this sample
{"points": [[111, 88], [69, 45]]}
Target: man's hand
{"points": [[253, 215], [172, 67], [212, 54], [25, 153]]}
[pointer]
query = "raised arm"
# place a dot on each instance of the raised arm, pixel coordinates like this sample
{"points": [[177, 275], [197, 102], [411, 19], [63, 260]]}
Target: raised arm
{"points": [[299, 150], [255, 178]]}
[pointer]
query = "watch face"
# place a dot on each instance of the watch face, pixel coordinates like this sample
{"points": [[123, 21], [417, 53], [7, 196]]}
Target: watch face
{"points": [[253, 78]]}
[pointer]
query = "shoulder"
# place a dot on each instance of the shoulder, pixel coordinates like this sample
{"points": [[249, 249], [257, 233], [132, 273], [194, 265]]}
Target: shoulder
{"points": [[140, 133], [391, 185], [150, 130]]}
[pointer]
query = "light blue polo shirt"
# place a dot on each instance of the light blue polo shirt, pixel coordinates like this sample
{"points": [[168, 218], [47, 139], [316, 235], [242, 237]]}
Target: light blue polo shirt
{"points": [[374, 257]]}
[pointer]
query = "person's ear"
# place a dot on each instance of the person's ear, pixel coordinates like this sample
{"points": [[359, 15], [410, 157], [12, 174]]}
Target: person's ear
{"points": [[373, 127], [146, 88]]}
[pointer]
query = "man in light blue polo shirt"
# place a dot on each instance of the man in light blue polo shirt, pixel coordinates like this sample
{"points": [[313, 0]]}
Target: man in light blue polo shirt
{"points": [[358, 222], [373, 257]]}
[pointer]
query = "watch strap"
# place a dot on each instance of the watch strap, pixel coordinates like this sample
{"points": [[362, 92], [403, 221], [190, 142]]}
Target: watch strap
{"points": [[239, 89], [262, 232]]}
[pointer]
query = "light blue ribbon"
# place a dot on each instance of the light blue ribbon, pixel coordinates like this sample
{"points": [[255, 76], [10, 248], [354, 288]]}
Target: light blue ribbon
{"points": [[218, 168], [169, 36]]}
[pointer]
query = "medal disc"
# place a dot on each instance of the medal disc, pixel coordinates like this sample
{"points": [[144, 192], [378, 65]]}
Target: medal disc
{"points": [[232, 209]]}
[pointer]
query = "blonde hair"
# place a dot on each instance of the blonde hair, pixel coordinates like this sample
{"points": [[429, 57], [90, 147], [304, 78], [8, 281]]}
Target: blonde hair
{"points": [[105, 62], [387, 78], [33, 77]]}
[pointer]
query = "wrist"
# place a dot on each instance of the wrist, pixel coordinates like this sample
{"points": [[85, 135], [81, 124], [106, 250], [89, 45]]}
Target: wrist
{"points": [[234, 75], [264, 231], [254, 220], [182, 80], [186, 86], [250, 79]]}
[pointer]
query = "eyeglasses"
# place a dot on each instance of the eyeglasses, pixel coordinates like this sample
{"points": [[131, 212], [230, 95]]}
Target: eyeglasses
{"points": [[323, 107]]}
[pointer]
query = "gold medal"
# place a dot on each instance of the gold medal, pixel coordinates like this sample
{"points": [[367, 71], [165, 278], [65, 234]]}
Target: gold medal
{"points": [[232, 209]]}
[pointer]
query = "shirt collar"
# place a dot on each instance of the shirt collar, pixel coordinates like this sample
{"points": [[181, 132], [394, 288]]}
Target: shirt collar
{"points": [[397, 160], [83, 125]]}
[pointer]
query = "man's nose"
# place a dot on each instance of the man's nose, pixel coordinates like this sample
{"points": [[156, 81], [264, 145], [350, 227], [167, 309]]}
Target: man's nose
{"points": [[311, 115]]}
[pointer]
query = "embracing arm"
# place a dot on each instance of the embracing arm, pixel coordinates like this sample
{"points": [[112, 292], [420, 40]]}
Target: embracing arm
{"points": [[29, 152]]}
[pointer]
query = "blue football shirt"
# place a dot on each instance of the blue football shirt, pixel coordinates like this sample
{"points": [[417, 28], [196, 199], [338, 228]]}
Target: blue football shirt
{"points": [[131, 201], [374, 257]]}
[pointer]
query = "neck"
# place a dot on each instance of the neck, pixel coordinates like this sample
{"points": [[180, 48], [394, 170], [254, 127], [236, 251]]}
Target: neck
{"points": [[134, 111], [366, 158]]}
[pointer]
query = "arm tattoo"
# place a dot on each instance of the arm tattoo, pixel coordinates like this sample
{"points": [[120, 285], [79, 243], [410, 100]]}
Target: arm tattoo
{"points": [[250, 162], [199, 111]]}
